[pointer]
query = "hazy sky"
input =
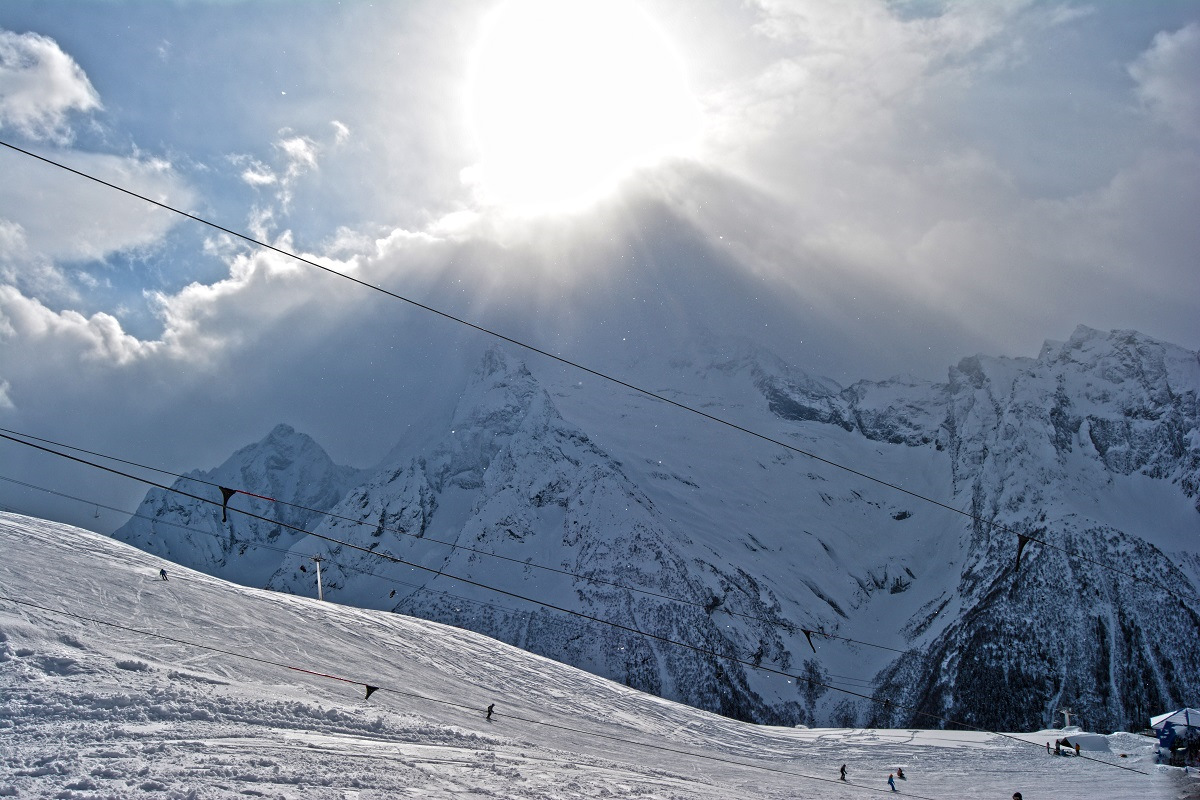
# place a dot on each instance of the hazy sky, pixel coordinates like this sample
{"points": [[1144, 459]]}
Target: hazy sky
{"points": [[867, 188]]}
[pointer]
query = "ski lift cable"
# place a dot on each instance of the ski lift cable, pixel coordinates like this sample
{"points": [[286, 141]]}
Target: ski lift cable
{"points": [[546, 604], [503, 609], [785, 624], [372, 688], [566, 361], [259, 546]]}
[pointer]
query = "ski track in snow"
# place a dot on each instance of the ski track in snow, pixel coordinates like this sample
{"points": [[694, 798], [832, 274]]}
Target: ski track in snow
{"points": [[91, 711]]}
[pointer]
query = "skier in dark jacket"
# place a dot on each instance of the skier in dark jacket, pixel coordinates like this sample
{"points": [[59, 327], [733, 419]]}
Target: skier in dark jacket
{"points": [[162, 573], [843, 772], [491, 708]]}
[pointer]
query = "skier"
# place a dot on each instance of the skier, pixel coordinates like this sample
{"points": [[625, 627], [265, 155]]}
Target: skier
{"points": [[1047, 748], [900, 773], [1076, 748], [892, 782], [162, 573], [491, 708], [843, 772]]}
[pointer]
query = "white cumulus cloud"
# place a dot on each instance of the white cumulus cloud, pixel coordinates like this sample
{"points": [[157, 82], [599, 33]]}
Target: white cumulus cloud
{"points": [[39, 86]]}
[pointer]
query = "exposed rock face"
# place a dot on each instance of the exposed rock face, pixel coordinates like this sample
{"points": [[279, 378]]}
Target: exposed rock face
{"points": [[1034, 443], [518, 514]]}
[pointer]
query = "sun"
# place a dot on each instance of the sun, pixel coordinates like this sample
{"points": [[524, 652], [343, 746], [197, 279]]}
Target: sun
{"points": [[568, 96]]}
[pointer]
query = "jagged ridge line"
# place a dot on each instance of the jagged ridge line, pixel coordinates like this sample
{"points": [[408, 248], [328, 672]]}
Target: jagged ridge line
{"points": [[566, 361], [443, 701], [618, 625]]}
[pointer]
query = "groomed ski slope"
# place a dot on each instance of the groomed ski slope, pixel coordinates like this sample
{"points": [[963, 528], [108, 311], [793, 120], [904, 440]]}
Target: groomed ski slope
{"points": [[90, 710]]}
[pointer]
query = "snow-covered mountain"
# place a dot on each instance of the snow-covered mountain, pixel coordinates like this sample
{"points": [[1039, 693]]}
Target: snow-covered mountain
{"points": [[609, 503], [285, 465]]}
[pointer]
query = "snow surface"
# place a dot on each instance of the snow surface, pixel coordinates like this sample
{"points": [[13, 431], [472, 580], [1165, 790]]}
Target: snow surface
{"points": [[92, 710]]}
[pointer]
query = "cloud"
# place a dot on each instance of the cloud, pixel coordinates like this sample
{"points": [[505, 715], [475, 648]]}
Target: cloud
{"points": [[39, 86], [295, 155], [854, 159], [30, 271], [69, 334], [300, 154], [259, 175], [843, 71], [1168, 79], [341, 132], [51, 219]]}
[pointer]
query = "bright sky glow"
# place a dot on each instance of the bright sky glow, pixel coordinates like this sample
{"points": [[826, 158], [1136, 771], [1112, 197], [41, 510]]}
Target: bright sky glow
{"points": [[568, 96], [864, 188]]}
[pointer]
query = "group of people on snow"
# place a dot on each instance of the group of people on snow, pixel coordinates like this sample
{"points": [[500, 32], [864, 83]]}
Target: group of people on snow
{"points": [[899, 773], [1059, 744]]}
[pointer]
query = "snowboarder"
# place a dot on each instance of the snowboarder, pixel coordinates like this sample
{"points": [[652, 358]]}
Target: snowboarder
{"points": [[843, 772], [491, 708], [162, 573], [892, 782], [900, 773]]}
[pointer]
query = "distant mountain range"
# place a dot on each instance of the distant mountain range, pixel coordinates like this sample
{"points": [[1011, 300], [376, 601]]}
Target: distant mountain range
{"points": [[607, 502]]}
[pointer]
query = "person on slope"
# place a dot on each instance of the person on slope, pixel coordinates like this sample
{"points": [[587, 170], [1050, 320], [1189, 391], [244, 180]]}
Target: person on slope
{"points": [[1017, 796], [491, 708], [892, 782], [1076, 748], [162, 573], [900, 773], [843, 772]]}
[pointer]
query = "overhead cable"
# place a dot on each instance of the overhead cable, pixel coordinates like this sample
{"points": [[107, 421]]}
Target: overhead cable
{"points": [[372, 688], [1022, 536], [785, 624], [552, 606], [362, 571]]}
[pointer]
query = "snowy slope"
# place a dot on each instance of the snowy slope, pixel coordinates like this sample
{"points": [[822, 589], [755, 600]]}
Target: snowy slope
{"points": [[690, 531], [93, 710]]}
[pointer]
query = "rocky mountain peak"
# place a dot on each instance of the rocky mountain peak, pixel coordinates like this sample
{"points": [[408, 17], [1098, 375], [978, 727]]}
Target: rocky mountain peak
{"points": [[754, 549]]}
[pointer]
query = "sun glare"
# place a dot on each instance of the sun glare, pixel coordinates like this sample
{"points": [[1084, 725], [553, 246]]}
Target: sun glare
{"points": [[567, 96]]}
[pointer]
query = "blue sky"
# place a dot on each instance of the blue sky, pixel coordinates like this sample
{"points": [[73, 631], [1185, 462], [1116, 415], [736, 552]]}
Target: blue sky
{"points": [[866, 187]]}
